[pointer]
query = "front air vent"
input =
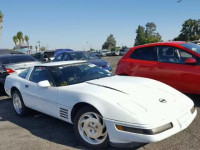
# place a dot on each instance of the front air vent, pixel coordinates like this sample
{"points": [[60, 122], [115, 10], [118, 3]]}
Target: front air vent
{"points": [[64, 113]]}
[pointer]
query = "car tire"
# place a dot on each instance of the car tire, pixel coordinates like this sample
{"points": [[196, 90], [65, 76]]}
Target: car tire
{"points": [[88, 125], [18, 104], [2, 91]]}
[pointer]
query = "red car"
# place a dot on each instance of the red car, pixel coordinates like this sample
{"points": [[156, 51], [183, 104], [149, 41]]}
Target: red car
{"points": [[174, 63]]}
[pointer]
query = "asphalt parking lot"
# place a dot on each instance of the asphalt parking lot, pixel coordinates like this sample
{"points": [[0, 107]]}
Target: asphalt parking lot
{"points": [[41, 132]]}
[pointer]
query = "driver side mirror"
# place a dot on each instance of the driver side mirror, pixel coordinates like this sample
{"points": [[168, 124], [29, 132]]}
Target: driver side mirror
{"points": [[44, 84], [191, 61]]}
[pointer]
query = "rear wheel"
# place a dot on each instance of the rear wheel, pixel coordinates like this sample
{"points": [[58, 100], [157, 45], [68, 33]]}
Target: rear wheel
{"points": [[90, 128], [2, 91], [18, 104]]}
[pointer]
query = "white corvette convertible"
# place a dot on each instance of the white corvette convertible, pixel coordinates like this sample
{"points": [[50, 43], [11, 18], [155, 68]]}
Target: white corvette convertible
{"points": [[120, 110]]}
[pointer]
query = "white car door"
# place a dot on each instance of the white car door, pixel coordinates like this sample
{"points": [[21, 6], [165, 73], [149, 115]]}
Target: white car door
{"points": [[43, 99]]}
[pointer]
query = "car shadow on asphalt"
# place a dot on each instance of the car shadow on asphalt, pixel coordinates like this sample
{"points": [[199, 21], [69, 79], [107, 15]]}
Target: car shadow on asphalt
{"points": [[41, 125], [195, 98]]}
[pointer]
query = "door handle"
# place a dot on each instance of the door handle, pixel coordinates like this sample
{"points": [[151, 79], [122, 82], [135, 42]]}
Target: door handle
{"points": [[26, 86]]}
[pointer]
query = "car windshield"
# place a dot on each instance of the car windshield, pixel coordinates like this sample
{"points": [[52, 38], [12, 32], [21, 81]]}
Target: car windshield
{"points": [[74, 74], [192, 46], [11, 59]]}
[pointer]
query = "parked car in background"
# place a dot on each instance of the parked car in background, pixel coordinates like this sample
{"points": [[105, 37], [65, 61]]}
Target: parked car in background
{"points": [[105, 52], [83, 55], [117, 53], [97, 54], [174, 63], [120, 110], [123, 51], [14, 64], [5, 51], [46, 56], [112, 53]]}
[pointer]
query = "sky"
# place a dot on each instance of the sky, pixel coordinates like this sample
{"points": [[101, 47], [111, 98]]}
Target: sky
{"points": [[81, 24]]}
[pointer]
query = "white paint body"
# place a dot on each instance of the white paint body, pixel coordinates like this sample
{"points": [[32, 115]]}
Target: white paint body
{"points": [[129, 101]]}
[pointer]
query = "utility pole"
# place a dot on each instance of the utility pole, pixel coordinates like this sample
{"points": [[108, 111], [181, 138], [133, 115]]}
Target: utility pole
{"points": [[39, 45], [36, 48]]}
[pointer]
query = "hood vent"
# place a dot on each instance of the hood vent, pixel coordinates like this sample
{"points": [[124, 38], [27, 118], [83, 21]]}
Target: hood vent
{"points": [[64, 113]]}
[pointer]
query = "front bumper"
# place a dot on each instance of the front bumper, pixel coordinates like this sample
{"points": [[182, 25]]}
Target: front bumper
{"points": [[129, 139]]}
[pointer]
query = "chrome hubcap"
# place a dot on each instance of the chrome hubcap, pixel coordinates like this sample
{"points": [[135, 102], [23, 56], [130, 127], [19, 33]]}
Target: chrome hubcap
{"points": [[92, 128], [17, 103]]}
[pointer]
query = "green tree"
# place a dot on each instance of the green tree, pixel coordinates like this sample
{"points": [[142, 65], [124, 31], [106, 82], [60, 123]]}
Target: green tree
{"points": [[15, 39], [140, 37], [1, 21], [92, 50], [150, 33], [147, 35], [124, 47], [26, 39], [43, 48], [110, 43], [20, 37], [118, 48], [190, 31]]}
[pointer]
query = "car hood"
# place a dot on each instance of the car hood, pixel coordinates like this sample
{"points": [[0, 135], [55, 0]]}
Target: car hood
{"points": [[149, 96], [98, 62]]}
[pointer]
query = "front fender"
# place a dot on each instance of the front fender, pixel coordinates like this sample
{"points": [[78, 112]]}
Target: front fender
{"points": [[107, 104]]}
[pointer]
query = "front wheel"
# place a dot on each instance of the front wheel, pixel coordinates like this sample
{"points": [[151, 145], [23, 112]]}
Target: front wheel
{"points": [[18, 104], [90, 128]]}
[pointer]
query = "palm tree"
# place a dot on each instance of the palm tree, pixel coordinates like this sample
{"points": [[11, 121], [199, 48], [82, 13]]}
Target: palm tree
{"points": [[1, 21], [26, 39], [20, 37], [15, 39]]}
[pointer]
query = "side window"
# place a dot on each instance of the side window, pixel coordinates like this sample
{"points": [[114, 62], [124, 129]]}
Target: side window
{"points": [[147, 53], [171, 54], [24, 73], [59, 57], [184, 55], [40, 74], [168, 54], [66, 57]]}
